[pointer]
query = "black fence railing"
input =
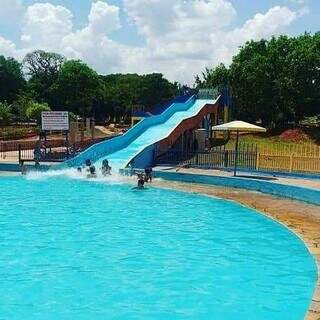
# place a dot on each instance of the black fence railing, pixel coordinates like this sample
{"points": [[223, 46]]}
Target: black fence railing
{"points": [[217, 158], [51, 151]]}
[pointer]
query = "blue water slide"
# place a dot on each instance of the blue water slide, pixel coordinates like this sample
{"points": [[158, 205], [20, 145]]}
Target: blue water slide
{"points": [[121, 150]]}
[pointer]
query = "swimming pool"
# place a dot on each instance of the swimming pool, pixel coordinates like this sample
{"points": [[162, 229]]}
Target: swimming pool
{"points": [[78, 249]]}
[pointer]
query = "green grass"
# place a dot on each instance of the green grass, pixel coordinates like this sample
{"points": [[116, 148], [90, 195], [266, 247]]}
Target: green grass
{"points": [[275, 143]]}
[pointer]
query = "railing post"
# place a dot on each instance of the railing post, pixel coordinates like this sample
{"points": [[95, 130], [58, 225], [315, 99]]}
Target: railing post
{"points": [[291, 162], [258, 161], [19, 153], [226, 159]]}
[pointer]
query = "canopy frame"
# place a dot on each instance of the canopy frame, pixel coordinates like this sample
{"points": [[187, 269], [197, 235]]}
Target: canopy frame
{"points": [[238, 126]]}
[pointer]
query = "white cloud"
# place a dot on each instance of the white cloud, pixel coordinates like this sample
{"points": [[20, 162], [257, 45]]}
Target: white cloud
{"points": [[11, 11], [264, 25], [92, 43], [181, 36], [7, 47], [104, 18], [197, 33], [45, 25]]}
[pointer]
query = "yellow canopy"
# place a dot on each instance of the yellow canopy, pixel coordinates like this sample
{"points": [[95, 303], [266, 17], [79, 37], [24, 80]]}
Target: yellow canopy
{"points": [[239, 126]]}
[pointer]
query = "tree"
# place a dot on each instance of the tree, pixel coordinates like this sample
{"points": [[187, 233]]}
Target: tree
{"points": [[156, 89], [42, 69], [251, 83], [304, 66], [123, 92], [5, 113], [276, 81], [35, 109], [213, 78], [42, 64], [21, 104], [77, 88], [11, 79]]}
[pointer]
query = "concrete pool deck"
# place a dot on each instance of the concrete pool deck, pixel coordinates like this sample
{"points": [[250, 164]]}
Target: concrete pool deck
{"points": [[276, 178], [300, 217]]}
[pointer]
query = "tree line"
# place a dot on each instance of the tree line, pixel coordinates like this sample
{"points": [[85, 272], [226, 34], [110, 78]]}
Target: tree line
{"points": [[276, 82], [47, 81]]}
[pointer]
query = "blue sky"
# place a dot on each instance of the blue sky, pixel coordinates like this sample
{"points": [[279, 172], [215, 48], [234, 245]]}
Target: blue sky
{"points": [[176, 37]]}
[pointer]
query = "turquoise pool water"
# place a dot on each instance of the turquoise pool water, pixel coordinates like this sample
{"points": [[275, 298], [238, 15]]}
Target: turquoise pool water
{"points": [[77, 249]]}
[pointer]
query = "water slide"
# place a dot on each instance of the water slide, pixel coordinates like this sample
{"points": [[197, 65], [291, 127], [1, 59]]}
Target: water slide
{"points": [[122, 150]]}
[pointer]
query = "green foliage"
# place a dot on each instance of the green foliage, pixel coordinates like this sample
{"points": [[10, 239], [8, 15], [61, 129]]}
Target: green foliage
{"points": [[11, 78], [276, 81], [42, 69], [5, 113], [14, 133], [213, 78], [42, 64], [123, 92], [77, 88], [21, 104], [34, 110]]}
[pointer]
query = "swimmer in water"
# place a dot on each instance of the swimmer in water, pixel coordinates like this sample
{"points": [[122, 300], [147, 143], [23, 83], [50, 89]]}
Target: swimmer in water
{"points": [[106, 169], [88, 163], [148, 175], [92, 172], [140, 181]]}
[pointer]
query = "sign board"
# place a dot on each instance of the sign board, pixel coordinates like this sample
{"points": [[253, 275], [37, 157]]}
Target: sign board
{"points": [[55, 120]]}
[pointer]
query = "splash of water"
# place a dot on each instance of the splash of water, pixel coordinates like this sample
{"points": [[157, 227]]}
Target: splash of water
{"points": [[72, 173]]}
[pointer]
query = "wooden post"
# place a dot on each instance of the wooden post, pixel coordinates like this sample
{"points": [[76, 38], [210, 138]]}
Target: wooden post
{"points": [[291, 162], [258, 161]]}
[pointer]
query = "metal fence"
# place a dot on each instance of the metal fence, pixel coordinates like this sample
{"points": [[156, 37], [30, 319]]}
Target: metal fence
{"points": [[51, 151], [250, 157], [217, 158]]}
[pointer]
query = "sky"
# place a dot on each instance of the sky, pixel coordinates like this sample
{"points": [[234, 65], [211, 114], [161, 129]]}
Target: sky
{"points": [[178, 38]]}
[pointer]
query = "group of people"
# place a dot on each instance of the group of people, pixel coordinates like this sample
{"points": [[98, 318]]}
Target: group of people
{"points": [[91, 169], [143, 177]]}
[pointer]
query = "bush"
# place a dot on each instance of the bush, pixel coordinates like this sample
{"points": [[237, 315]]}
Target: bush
{"points": [[294, 135], [5, 113], [34, 111], [14, 133]]}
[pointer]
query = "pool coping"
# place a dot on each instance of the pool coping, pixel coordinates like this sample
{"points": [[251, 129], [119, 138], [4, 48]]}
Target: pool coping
{"points": [[269, 206]]}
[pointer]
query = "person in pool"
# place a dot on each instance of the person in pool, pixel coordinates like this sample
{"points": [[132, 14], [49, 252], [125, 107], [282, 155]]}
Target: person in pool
{"points": [[88, 163], [92, 172], [106, 169], [148, 175], [140, 182]]}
